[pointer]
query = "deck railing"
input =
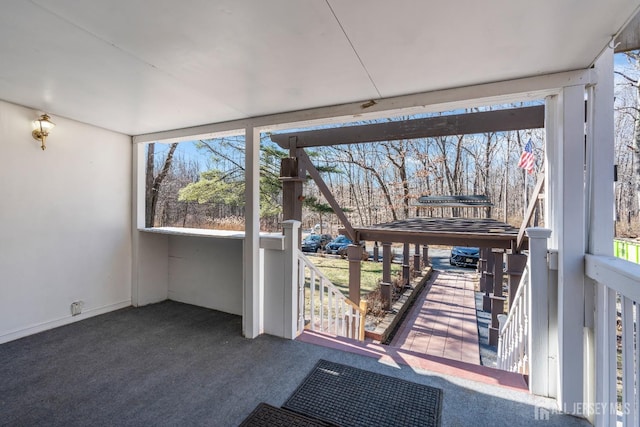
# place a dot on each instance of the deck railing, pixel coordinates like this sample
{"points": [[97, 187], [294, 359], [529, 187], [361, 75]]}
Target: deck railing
{"points": [[323, 307], [514, 330], [524, 341], [617, 340]]}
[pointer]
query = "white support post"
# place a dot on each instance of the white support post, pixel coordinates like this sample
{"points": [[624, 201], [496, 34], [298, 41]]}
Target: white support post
{"points": [[252, 302], [137, 214], [601, 340], [567, 219], [292, 311], [538, 300], [551, 189]]}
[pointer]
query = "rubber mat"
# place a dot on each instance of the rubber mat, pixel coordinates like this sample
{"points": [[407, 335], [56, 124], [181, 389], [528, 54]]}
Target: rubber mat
{"points": [[266, 415], [348, 396]]}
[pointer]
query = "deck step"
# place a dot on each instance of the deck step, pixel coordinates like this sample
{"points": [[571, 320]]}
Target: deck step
{"points": [[436, 364]]}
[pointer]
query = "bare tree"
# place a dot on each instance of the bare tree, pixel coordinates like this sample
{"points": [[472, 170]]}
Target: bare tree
{"points": [[153, 181]]}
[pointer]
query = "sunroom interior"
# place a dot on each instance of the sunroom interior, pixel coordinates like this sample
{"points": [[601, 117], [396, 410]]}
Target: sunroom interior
{"points": [[114, 76]]}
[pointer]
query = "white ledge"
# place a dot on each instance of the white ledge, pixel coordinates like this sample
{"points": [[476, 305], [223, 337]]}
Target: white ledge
{"points": [[273, 241], [196, 232]]}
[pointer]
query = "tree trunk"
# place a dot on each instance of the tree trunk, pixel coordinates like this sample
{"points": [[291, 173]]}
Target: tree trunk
{"points": [[153, 183]]}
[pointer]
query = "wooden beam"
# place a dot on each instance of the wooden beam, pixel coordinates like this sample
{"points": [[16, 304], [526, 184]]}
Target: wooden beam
{"points": [[327, 194], [457, 124], [449, 239]]}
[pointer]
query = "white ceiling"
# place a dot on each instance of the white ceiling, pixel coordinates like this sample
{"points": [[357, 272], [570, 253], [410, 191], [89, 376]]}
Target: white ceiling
{"points": [[140, 66]]}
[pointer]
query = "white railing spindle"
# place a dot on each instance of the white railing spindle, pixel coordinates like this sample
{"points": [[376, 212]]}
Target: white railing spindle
{"points": [[618, 291], [628, 374], [327, 309], [300, 296], [512, 345]]}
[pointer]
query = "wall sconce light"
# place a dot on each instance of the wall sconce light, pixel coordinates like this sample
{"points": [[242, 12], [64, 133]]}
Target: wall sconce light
{"points": [[41, 128]]}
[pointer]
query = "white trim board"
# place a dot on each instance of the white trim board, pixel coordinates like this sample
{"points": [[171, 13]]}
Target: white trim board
{"points": [[45, 326], [530, 88]]}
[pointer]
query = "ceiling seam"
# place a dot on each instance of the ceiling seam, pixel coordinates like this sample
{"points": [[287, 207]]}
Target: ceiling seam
{"points": [[127, 52], [354, 49], [97, 37]]}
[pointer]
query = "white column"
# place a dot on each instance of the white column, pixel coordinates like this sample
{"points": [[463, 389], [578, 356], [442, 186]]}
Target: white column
{"points": [[137, 216], [252, 301], [551, 189], [551, 170], [600, 228], [291, 310], [538, 301], [568, 222]]}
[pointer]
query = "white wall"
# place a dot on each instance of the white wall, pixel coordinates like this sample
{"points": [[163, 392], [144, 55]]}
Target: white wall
{"points": [[205, 268], [206, 272], [65, 222], [199, 267]]}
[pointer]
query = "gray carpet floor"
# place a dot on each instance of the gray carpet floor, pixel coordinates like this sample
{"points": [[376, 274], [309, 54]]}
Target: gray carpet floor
{"points": [[171, 364]]}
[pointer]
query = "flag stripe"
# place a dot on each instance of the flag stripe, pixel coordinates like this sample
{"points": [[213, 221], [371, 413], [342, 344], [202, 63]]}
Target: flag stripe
{"points": [[527, 159]]}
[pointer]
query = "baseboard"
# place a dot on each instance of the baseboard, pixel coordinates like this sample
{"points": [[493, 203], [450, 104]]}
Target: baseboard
{"points": [[44, 326], [188, 299]]}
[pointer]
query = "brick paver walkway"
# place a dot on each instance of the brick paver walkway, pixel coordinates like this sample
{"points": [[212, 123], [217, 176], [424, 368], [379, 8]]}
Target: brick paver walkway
{"points": [[442, 322]]}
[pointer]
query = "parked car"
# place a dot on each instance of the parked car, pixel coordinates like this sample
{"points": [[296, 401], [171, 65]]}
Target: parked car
{"points": [[462, 256], [343, 251], [315, 242], [340, 242]]}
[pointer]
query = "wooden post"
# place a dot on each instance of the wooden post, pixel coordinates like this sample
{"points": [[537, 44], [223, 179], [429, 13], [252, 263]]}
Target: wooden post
{"points": [[406, 279], [385, 286], [487, 274], [515, 267], [425, 256], [291, 188], [497, 300], [386, 262], [363, 310], [292, 176], [538, 295], [482, 266], [354, 254], [416, 262]]}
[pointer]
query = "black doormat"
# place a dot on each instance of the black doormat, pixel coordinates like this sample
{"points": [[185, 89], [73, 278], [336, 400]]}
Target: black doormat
{"points": [[266, 415], [349, 396]]}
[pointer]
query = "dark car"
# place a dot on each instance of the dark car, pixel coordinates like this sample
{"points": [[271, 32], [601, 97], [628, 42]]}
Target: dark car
{"points": [[315, 242], [463, 256], [343, 251], [338, 243]]}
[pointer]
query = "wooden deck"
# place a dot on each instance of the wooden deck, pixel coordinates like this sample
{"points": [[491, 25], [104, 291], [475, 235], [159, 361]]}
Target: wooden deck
{"points": [[439, 335], [443, 322]]}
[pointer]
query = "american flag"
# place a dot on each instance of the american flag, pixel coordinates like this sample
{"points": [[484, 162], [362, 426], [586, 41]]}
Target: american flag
{"points": [[527, 159]]}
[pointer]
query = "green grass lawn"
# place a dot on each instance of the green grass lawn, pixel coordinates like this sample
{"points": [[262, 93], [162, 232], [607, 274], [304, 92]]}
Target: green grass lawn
{"points": [[337, 271]]}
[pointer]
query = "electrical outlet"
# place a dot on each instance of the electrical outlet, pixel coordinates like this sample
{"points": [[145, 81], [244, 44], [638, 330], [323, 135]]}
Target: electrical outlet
{"points": [[76, 307]]}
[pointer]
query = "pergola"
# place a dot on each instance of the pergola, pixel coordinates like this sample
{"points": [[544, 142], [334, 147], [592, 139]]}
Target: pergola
{"points": [[475, 232], [295, 168]]}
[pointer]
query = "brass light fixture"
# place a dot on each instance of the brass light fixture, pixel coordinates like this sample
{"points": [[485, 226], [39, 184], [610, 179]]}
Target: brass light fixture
{"points": [[41, 128]]}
